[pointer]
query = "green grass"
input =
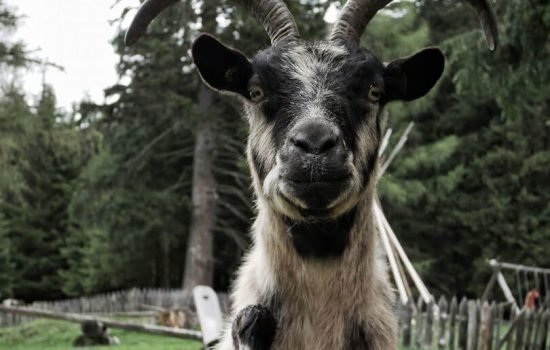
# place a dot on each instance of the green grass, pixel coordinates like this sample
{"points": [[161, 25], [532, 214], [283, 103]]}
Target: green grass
{"points": [[57, 335]]}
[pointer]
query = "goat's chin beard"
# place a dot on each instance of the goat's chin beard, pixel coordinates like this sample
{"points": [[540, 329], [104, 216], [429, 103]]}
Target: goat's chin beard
{"points": [[282, 200]]}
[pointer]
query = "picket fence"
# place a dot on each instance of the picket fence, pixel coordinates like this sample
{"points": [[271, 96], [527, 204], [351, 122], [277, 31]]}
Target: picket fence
{"points": [[133, 302], [472, 325], [468, 325]]}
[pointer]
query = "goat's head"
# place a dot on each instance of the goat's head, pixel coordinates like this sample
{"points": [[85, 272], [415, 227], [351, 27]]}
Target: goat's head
{"points": [[314, 108]]}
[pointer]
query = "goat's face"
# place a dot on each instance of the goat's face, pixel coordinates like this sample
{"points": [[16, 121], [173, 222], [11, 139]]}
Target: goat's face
{"points": [[314, 112]]}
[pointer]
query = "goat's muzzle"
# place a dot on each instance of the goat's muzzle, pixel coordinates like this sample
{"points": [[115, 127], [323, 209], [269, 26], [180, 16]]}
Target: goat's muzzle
{"points": [[315, 165]]}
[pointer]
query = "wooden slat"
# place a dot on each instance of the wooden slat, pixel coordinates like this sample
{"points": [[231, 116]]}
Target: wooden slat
{"points": [[463, 326], [537, 322], [407, 323], [471, 343], [498, 325], [428, 338], [529, 324], [452, 323], [520, 332], [485, 327], [419, 323], [544, 339], [443, 317]]}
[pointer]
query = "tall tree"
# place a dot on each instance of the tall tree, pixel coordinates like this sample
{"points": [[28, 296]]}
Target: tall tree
{"points": [[199, 260]]}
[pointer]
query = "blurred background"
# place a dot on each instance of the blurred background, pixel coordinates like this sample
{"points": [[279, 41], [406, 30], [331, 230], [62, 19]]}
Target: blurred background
{"points": [[98, 143]]}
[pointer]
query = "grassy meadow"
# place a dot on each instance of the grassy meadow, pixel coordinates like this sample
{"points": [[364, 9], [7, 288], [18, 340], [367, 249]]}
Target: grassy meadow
{"points": [[56, 335]]}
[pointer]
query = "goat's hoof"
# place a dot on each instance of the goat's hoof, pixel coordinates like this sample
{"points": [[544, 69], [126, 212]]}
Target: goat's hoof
{"points": [[254, 328]]}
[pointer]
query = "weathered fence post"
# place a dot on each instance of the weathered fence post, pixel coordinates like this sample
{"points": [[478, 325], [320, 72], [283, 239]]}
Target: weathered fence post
{"points": [[407, 322], [452, 316], [419, 323], [520, 331], [429, 325], [544, 330], [472, 326], [498, 322], [463, 325], [443, 316], [537, 323], [529, 324], [494, 319], [514, 318], [484, 338]]}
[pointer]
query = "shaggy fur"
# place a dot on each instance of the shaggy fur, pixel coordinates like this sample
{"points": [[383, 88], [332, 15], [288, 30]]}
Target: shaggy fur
{"points": [[340, 300]]}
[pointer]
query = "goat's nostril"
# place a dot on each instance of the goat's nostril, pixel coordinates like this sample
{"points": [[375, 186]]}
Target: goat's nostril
{"points": [[302, 143], [327, 144]]}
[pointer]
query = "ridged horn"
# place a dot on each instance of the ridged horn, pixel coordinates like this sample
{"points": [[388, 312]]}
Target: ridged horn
{"points": [[357, 14], [274, 15]]}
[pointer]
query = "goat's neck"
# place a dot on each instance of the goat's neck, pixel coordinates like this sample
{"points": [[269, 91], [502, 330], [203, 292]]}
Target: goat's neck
{"points": [[273, 237]]}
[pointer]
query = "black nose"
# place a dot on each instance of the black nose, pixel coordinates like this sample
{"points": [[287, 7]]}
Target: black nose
{"points": [[315, 137]]}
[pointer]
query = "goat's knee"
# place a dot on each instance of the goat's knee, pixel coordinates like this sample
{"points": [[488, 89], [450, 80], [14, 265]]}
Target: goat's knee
{"points": [[254, 328]]}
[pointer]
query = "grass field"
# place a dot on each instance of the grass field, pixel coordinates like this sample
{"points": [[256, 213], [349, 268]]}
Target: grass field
{"points": [[56, 335]]}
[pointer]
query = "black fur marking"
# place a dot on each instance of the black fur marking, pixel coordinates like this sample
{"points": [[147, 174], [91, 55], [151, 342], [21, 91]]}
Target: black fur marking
{"points": [[321, 239], [259, 166], [357, 339], [274, 304], [254, 327]]}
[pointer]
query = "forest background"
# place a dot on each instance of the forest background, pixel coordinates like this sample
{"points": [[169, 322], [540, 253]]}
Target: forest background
{"points": [[105, 197]]}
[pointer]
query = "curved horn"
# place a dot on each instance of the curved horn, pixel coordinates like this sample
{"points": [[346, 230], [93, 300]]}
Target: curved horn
{"points": [[356, 14], [488, 21], [274, 15]]}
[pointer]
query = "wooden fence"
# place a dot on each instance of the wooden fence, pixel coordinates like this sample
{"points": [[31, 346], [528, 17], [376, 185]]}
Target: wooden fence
{"points": [[129, 302], [472, 325], [468, 325]]}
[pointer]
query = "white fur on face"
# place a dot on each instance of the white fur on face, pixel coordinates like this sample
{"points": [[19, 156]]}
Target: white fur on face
{"points": [[311, 66]]}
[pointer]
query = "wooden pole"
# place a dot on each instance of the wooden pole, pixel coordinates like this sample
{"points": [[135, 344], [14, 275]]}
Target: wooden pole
{"points": [[489, 287], [410, 268], [506, 290], [385, 142], [396, 149], [391, 258], [502, 265], [76, 318]]}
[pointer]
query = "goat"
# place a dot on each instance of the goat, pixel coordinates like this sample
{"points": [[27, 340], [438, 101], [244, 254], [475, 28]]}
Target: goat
{"points": [[313, 278]]}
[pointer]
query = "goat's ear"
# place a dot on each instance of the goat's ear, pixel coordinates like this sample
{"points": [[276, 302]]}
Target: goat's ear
{"points": [[221, 67], [413, 77]]}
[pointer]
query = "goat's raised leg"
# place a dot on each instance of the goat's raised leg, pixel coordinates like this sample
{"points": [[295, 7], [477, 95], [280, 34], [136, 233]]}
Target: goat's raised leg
{"points": [[254, 328]]}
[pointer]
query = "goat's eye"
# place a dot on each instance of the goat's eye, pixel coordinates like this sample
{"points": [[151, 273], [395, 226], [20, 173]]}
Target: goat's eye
{"points": [[375, 93], [256, 93]]}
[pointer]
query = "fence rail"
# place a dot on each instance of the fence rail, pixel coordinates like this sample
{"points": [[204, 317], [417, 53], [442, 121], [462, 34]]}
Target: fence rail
{"points": [[472, 325]]}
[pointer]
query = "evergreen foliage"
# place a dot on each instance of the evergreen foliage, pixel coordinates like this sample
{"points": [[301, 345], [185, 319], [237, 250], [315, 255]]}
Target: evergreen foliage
{"points": [[472, 183]]}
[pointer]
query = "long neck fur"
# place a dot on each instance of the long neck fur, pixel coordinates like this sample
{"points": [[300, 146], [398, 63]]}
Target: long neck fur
{"points": [[291, 270]]}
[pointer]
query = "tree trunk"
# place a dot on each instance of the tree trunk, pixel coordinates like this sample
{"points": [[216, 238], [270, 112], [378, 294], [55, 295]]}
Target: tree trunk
{"points": [[165, 259], [199, 262]]}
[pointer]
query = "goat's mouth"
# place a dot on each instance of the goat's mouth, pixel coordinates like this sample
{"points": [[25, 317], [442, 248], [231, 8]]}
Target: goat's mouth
{"points": [[318, 193], [313, 195], [317, 199]]}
